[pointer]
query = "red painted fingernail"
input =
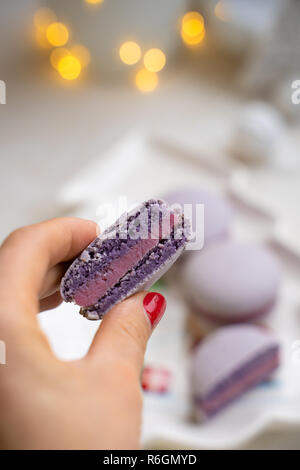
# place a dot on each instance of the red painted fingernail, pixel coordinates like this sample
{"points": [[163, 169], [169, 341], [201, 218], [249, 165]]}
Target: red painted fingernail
{"points": [[155, 306]]}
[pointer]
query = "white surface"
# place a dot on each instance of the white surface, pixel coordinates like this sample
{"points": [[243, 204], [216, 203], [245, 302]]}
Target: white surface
{"points": [[166, 417]]}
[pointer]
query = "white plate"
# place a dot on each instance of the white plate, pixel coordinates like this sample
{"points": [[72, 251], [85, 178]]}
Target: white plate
{"points": [[140, 168]]}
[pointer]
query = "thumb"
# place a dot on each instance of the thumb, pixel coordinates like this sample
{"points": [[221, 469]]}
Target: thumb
{"points": [[124, 332]]}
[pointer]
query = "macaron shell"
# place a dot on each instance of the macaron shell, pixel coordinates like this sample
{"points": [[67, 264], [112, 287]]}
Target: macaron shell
{"points": [[231, 281]]}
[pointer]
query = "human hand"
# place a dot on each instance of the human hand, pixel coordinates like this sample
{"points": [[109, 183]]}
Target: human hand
{"points": [[45, 403]]}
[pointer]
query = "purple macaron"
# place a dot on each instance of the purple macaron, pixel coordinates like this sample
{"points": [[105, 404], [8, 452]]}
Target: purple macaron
{"points": [[129, 256], [232, 282], [228, 363], [218, 212]]}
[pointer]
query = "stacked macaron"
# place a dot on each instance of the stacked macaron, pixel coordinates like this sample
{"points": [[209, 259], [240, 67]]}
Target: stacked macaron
{"points": [[229, 287]]}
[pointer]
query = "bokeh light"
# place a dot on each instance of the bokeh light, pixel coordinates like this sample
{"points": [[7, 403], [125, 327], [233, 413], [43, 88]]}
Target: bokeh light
{"points": [[82, 53], [192, 23], [221, 11], [93, 2], [130, 52], [69, 67], [57, 34], [193, 41], [192, 28], [43, 18], [146, 81], [57, 54], [154, 60]]}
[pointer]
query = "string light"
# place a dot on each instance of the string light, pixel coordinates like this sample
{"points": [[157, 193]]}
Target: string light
{"points": [[57, 34], [146, 81], [154, 60], [130, 52], [49, 33], [69, 67], [43, 18], [192, 28], [82, 54]]}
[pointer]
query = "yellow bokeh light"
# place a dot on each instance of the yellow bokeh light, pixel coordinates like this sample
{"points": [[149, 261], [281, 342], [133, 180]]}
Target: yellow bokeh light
{"points": [[57, 54], [192, 28], [82, 53], [57, 34], [146, 81], [221, 11], [42, 18], [193, 40], [69, 67], [93, 2], [130, 52], [154, 60]]}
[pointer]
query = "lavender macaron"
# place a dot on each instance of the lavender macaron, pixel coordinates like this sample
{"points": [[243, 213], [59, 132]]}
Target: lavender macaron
{"points": [[228, 363], [218, 212], [129, 256], [232, 282]]}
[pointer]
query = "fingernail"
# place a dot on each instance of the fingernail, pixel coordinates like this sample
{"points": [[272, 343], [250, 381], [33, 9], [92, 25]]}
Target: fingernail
{"points": [[154, 306]]}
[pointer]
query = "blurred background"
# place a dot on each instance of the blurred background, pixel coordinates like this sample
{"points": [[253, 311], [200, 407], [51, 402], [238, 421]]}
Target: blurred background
{"points": [[214, 82]]}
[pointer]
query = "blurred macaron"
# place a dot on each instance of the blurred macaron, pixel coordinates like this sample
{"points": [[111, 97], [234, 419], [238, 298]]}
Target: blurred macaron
{"points": [[232, 282], [228, 363], [218, 212]]}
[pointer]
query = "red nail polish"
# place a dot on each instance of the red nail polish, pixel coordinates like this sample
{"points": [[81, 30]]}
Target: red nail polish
{"points": [[155, 306]]}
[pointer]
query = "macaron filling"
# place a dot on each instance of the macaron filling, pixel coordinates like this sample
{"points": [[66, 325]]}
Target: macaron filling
{"points": [[243, 379], [116, 251], [144, 270], [96, 287]]}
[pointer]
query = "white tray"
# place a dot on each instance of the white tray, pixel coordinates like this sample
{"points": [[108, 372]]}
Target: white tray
{"points": [[139, 168]]}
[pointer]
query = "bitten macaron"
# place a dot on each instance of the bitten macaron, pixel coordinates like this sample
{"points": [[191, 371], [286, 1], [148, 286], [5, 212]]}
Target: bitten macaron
{"points": [[128, 257]]}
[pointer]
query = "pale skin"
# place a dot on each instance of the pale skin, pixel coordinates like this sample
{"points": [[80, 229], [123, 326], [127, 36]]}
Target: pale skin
{"points": [[45, 403]]}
